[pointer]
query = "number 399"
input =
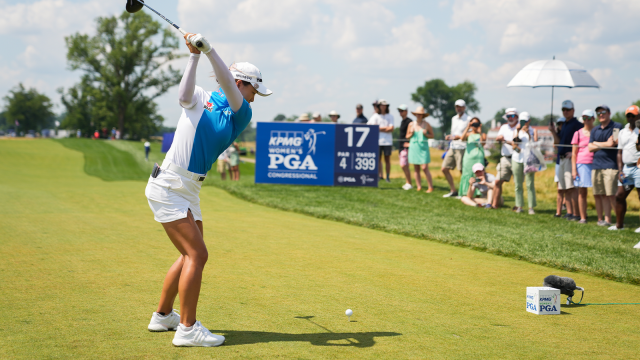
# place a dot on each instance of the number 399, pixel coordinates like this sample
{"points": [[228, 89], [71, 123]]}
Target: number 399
{"points": [[365, 164]]}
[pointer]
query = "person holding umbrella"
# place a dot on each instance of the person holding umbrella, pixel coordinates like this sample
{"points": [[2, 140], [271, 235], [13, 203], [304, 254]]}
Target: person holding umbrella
{"points": [[563, 138], [419, 132]]}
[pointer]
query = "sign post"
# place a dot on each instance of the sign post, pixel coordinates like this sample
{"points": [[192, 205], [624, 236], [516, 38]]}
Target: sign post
{"points": [[317, 154]]}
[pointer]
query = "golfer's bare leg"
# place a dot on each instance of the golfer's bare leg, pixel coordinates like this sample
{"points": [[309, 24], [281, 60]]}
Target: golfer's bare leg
{"points": [[171, 281], [387, 160], [186, 236], [497, 194], [559, 203]]}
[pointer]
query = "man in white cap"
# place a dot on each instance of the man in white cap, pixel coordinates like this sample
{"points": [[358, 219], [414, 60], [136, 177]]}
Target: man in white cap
{"points": [[316, 118], [385, 139], [566, 191], [334, 116], [453, 159], [403, 151], [505, 135]]}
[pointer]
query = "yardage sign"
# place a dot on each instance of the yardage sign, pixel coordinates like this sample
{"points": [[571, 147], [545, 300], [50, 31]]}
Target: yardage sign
{"points": [[317, 154]]}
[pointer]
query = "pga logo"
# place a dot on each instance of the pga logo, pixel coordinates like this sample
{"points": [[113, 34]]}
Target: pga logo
{"points": [[346, 179], [291, 162]]}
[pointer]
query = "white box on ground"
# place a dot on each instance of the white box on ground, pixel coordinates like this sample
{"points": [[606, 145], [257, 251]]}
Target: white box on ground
{"points": [[543, 300]]}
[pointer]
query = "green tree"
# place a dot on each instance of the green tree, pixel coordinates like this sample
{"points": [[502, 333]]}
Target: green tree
{"points": [[280, 117], [3, 121], [438, 99], [127, 65], [30, 109], [86, 108]]}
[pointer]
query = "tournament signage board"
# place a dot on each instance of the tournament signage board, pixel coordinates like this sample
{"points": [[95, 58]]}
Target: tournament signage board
{"points": [[317, 154]]}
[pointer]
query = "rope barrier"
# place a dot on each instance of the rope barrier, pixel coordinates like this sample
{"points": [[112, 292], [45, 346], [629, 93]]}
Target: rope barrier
{"points": [[538, 143]]}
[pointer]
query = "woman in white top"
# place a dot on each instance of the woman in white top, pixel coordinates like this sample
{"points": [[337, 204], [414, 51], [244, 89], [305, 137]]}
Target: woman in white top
{"points": [[524, 134]]}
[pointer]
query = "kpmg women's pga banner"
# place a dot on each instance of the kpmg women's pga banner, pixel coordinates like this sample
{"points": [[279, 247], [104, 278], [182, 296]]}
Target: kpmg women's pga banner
{"points": [[317, 154]]}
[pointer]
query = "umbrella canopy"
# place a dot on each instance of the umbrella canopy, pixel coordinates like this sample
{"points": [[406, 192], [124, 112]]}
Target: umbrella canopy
{"points": [[553, 73]]}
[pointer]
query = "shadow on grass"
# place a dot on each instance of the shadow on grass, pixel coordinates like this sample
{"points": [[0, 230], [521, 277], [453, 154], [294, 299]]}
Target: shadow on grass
{"points": [[357, 339]]}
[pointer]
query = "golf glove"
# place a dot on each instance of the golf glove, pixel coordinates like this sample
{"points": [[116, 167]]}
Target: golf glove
{"points": [[205, 46]]}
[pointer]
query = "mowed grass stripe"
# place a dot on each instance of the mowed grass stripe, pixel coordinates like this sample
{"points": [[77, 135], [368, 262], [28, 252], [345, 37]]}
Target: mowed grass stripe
{"points": [[82, 270]]}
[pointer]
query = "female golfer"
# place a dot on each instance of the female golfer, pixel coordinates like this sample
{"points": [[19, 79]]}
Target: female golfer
{"points": [[209, 124]]}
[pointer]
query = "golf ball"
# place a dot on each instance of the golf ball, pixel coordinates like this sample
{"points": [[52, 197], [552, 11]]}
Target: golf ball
{"points": [[349, 312]]}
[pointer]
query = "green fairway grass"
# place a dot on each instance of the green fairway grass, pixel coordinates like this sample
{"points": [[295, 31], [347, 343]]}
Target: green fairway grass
{"points": [[540, 239], [83, 263]]}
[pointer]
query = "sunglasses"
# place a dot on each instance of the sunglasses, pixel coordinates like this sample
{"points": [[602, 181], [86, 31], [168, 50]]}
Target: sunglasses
{"points": [[629, 116], [511, 116], [587, 118], [602, 112], [565, 109]]}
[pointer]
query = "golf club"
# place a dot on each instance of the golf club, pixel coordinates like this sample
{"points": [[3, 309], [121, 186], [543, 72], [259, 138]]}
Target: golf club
{"points": [[133, 6]]}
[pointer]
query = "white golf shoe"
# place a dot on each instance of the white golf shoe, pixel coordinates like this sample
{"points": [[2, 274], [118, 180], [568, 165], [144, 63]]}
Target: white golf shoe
{"points": [[164, 323], [198, 335], [407, 186]]}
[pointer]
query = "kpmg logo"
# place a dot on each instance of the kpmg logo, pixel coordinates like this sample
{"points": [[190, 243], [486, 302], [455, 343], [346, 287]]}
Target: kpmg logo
{"points": [[286, 148]]}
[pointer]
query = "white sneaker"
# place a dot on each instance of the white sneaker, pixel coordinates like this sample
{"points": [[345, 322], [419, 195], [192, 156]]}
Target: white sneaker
{"points": [[637, 231], [198, 335], [407, 186], [637, 246], [164, 323], [615, 227]]}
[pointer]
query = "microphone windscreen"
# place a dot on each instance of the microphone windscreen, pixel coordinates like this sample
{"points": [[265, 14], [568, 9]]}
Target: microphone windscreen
{"points": [[564, 284]]}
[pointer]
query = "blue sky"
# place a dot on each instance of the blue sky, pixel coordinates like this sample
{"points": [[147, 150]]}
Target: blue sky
{"points": [[330, 55]]}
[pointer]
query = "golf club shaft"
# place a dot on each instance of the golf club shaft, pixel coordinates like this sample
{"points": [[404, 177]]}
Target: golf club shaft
{"points": [[169, 21]]}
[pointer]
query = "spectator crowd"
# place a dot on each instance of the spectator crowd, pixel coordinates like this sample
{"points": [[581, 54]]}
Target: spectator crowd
{"points": [[604, 157]]}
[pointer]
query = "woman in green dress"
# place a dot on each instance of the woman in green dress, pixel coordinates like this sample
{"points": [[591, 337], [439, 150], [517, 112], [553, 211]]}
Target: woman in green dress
{"points": [[473, 154], [419, 132]]}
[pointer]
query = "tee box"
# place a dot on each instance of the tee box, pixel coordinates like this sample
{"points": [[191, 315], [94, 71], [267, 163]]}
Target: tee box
{"points": [[543, 300]]}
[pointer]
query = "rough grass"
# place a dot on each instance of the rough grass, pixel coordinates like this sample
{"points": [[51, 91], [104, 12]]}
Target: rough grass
{"points": [[83, 262]]}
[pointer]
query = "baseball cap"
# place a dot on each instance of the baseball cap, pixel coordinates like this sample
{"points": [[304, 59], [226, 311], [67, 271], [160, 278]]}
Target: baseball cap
{"points": [[603, 107], [589, 113], [359, 106], [524, 116], [402, 107], [633, 109], [567, 104], [460, 102], [383, 102], [315, 115], [334, 113], [248, 72], [561, 120], [477, 166]]}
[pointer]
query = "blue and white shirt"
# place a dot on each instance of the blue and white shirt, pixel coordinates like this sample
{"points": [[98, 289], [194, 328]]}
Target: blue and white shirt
{"points": [[206, 130]]}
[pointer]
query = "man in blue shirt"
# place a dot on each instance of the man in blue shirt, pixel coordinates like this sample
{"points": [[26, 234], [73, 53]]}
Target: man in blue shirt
{"points": [[360, 119], [604, 173], [566, 191]]}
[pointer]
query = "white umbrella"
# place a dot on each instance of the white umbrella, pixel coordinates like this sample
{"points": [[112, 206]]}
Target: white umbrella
{"points": [[553, 73]]}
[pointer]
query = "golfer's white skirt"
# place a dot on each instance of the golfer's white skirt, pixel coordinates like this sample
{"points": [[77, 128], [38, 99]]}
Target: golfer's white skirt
{"points": [[172, 195]]}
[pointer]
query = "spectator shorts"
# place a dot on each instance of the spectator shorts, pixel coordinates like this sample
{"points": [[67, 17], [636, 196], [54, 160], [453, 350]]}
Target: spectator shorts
{"points": [[504, 169], [565, 179], [172, 195], [404, 158], [222, 166], [386, 150], [605, 181], [632, 176], [584, 176], [453, 159]]}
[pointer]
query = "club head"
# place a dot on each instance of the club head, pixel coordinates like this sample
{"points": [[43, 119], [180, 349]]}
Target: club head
{"points": [[134, 6]]}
